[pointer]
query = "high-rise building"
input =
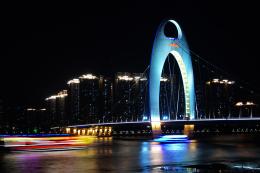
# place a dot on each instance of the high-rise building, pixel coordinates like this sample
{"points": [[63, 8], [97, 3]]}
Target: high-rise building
{"points": [[140, 108], [73, 101], [57, 109], [123, 102], [131, 101], [61, 108], [90, 98], [106, 99], [14, 119], [35, 120], [51, 110], [219, 98]]}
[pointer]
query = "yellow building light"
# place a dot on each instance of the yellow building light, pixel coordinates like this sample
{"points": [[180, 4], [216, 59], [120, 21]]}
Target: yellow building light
{"points": [[73, 81], [68, 130], [125, 77], [215, 80], [62, 94], [231, 82], [156, 125], [137, 77], [31, 109], [74, 131], [53, 97], [225, 80], [88, 76]]}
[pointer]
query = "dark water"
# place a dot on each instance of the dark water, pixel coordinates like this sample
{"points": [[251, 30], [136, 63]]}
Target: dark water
{"points": [[107, 155]]}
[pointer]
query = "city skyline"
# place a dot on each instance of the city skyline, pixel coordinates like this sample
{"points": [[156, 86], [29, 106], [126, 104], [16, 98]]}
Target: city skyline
{"points": [[157, 86], [41, 54]]}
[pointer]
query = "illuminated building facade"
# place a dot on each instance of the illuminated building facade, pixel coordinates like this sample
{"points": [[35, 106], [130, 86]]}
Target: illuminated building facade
{"points": [[35, 120], [73, 101], [32, 121], [61, 108], [57, 109], [51, 110], [90, 98], [140, 108], [219, 98], [131, 97], [163, 46], [123, 110], [106, 100]]}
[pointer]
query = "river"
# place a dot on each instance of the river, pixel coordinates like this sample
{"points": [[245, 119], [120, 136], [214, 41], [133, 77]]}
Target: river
{"points": [[108, 155]]}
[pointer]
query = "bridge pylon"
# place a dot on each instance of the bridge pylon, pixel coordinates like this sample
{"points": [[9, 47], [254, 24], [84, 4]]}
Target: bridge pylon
{"points": [[156, 129], [162, 47]]}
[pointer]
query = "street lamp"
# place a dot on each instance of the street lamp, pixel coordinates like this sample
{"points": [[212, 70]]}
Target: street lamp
{"points": [[247, 104], [239, 104], [250, 104]]}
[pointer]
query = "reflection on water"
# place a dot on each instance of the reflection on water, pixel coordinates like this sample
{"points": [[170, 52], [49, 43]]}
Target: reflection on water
{"points": [[133, 156], [160, 154]]}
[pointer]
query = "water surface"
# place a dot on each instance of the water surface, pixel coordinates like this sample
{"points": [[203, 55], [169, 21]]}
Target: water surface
{"points": [[107, 155]]}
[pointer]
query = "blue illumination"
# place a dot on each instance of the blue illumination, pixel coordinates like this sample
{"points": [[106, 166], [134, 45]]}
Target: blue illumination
{"points": [[162, 47], [172, 138], [145, 118], [165, 117], [175, 137]]}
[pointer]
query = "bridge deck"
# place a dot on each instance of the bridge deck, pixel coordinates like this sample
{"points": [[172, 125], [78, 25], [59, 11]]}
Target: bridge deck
{"points": [[165, 121]]}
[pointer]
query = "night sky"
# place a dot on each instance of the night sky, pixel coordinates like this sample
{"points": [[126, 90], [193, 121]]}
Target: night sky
{"points": [[45, 45]]}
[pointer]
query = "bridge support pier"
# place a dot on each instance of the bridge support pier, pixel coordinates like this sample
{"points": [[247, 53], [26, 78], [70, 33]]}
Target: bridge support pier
{"points": [[156, 129], [188, 129]]}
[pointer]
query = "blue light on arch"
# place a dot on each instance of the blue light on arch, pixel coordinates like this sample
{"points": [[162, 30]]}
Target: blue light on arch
{"points": [[162, 47]]}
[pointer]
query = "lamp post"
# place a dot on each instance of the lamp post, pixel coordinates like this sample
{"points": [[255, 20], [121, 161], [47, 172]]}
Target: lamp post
{"points": [[239, 105], [249, 104]]}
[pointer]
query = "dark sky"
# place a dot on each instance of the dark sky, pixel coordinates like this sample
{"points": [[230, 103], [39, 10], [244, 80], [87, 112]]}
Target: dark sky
{"points": [[44, 45]]}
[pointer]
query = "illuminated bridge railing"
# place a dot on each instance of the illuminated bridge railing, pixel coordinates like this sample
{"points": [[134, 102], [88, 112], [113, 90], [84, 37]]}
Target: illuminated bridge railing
{"points": [[165, 121]]}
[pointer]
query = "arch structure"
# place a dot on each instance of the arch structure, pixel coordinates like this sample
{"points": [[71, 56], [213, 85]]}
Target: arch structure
{"points": [[162, 47]]}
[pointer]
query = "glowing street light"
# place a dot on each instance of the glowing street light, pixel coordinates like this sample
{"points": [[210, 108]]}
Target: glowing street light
{"points": [[239, 104], [163, 79], [248, 103]]}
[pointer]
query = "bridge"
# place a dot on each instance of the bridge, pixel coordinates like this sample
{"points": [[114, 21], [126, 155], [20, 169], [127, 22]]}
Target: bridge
{"points": [[195, 110]]}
